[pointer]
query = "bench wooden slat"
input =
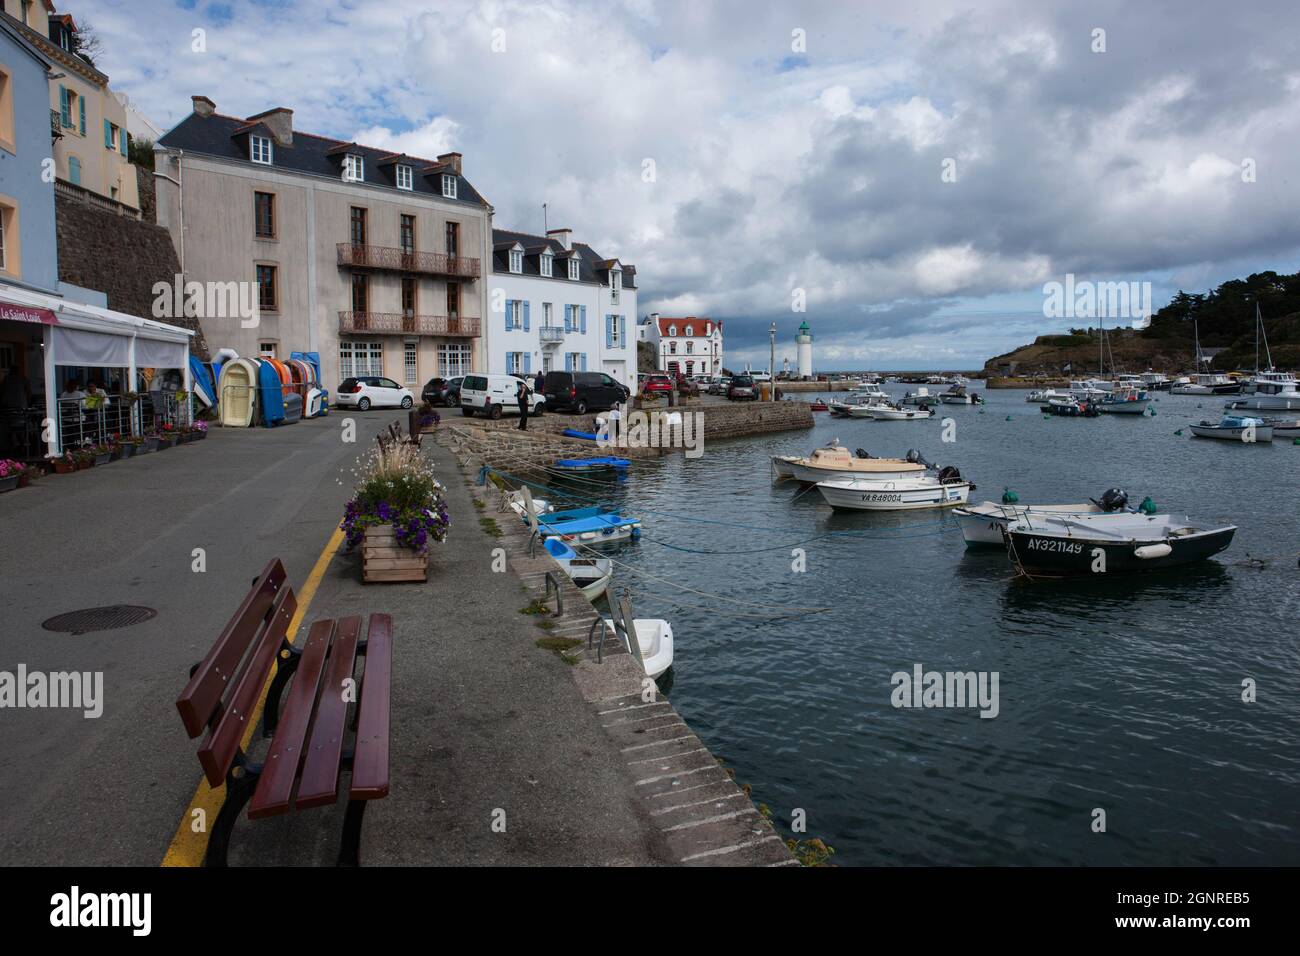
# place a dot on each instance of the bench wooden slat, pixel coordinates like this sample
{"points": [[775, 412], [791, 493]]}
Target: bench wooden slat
{"points": [[280, 770], [370, 763], [319, 783], [218, 751], [202, 695]]}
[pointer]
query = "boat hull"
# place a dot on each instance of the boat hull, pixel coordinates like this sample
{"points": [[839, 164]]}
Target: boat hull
{"points": [[1123, 408], [984, 526], [1263, 433], [811, 474], [899, 414], [1266, 403], [1054, 555], [878, 496]]}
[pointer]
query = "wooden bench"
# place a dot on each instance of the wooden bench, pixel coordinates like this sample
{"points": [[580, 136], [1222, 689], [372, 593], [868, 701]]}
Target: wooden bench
{"points": [[309, 752]]}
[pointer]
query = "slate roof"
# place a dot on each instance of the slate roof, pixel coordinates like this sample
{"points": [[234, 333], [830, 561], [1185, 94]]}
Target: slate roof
{"points": [[226, 137], [591, 266]]}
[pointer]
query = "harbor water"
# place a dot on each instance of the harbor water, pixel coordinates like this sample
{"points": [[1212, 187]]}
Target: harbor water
{"points": [[1118, 695]]}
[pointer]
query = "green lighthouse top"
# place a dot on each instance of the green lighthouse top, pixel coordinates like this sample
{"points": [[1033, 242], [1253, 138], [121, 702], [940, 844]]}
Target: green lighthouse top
{"points": [[804, 326]]}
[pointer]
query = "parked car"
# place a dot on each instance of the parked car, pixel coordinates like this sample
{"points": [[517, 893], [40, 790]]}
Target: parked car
{"points": [[718, 385], [443, 391], [372, 391], [496, 395], [657, 382], [742, 389], [583, 391], [687, 386]]}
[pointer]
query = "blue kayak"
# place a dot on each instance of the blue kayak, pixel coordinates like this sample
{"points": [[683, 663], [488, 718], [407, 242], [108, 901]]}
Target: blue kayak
{"points": [[591, 464], [574, 433]]}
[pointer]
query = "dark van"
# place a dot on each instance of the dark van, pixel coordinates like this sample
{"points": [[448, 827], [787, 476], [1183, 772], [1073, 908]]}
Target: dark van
{"points": [[582, 391]]}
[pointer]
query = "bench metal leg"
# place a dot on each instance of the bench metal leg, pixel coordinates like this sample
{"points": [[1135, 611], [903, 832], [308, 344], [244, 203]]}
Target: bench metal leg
{"points": [[285, 668], [350, 846], [239, 790]]}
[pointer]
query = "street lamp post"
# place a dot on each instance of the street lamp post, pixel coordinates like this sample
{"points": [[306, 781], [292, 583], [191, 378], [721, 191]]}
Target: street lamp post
{"points": [[771, 364]]}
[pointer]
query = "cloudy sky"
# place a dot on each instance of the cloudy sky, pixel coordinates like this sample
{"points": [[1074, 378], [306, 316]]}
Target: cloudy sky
{"points": [[918, 169]]}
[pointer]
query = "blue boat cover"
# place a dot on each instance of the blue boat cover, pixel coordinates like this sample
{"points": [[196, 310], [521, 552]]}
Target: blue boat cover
{"points": [[202, 382], [592, 463], [270, 396], [574, 433], [605, 523]]}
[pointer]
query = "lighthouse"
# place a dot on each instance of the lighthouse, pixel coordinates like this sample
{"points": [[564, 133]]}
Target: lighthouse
{"points": [[804, 341]]}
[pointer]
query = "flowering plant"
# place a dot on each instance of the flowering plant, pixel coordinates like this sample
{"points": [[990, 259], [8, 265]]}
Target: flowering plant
{"points": [[199, 426], [10, 468], [397, 487]]}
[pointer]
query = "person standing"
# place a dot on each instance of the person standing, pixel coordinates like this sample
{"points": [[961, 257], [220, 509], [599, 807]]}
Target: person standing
{"points": [[521, 395], [539, 383]]}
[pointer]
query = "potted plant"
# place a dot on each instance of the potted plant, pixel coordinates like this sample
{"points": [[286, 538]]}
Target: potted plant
{"points": [[148, 443], [29, 474], [126, 445], [11, 472], [198, 431], [65, 463], [100, 454], [83, 459], [397, 511], [428, 417], [167, 436]]}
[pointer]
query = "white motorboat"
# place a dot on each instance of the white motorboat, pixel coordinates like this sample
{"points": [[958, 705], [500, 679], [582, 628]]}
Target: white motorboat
{"points": [[922, 396], [1048, 545], [945, 490], [891, 413], [1236, 428], [654, 637], [983, 524], [1284, 427], [865, 411], [1155, 381], [1273, 392], [1089, 390], [835, 461], [1041, 396], [1207, 383], [591, 575], [1128, 401]]}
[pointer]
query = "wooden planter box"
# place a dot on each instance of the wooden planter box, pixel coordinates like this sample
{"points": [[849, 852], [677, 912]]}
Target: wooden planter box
{"points": [[383, 559]]}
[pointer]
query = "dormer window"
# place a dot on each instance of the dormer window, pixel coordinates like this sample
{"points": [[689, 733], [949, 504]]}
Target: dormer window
{"points": [[690, 331], [448, 186], [547, 261], [573, 269], [259, 149], [354, 168], [708, 328], [516, 260], [672, 330], [404, 179]]}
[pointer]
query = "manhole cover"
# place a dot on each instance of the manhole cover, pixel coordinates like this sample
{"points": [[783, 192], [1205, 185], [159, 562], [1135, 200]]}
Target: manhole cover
{"points": [[99, 618]]}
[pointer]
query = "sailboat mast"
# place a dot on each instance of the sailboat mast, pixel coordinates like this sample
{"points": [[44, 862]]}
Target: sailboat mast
{"points": [[1260, 331]]}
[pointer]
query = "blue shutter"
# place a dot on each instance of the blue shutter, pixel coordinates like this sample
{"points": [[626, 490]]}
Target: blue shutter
{"points": [[609, 331], [81, 101], [525, 315], [65, 107], [568, 318], [508, 303], [528, 356], [622, 330], [582, 312], [583, 368], [108, 135], [568, 361], [121, 140]]}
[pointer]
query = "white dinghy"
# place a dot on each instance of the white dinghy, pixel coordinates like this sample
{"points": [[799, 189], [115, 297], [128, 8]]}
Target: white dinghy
{"points": [[945, 490], [887, 413], [653, 644]]}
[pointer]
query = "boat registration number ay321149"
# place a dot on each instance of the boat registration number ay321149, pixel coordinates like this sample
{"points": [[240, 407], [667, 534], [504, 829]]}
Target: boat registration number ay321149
{"points": [[1067, 547], [882, 496]]}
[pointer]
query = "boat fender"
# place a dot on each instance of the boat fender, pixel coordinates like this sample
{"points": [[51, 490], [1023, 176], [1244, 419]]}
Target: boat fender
{"points": [[1009, 497], [1148, 507], [1149, 551]]}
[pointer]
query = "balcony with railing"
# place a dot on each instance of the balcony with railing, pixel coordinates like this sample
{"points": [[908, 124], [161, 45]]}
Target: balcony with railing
{"points": [[392, 259], [397, 323], [550, 334], [56, 124]]}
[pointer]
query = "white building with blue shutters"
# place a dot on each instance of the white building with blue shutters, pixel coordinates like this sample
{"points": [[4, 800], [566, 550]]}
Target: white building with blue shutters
{"points": [[555, 305]]}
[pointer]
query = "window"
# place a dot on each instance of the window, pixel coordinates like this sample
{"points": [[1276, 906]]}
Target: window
{"points": [[111, 134], [259, 149], [72, 110], [264, 215], [358, 226], [453, 299], [514, 314], [266, 291], [6, 112], [404, 179], [408, 234], [547, 311], [616, 284], [613, 324], [266, 349], [360, 293], [454, 360], [354, 168], [361, 359], [690, 348], [514, 363], [548, 261], [690, 331], [516, 260], [672, 330], [453, 239], [448, 186], [573, 269], [409, 295], [411, 363], [74, 170], [672, 348], [4, 224]]}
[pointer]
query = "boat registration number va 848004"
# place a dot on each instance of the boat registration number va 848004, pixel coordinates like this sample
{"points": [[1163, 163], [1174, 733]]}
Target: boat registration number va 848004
{"points": [[881, 496], [1068, 547]]}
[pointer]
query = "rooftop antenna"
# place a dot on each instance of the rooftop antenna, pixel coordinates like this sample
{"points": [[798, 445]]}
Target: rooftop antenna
{"points": [[545, 225]]}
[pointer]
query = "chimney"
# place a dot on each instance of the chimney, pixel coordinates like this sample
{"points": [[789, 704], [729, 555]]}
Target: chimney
{"points": [[565, 236], [279, 121], [452, 160], [203, 106]]}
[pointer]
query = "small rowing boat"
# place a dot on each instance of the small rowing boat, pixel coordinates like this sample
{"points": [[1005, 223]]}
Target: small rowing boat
{"points": [[591, 575], [835, 461], [592, 464], [945, 490], [1235, 428]]}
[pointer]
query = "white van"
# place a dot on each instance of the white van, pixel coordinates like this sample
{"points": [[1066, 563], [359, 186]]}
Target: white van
{"points": [[497, 395]]}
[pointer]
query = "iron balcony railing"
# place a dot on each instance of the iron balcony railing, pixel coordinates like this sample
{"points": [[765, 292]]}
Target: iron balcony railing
{"points": [[56, 124], [551, 334], [355, 256], [397, 323]]}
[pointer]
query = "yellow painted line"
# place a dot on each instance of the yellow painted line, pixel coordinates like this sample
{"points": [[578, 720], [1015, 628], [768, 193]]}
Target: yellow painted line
{"points": [[188, 847]]}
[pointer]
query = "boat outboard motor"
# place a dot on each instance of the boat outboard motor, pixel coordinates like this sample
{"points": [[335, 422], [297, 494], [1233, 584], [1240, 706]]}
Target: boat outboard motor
{"points": [[1113, 499], [862, 453], [949, 474]]}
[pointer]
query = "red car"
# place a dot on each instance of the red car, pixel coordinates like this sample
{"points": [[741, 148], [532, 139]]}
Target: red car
{"points": [[656, 383]]}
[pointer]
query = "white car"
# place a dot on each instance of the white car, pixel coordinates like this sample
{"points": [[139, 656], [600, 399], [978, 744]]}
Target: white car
{"points": [[372, 391], [497, 395]]}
